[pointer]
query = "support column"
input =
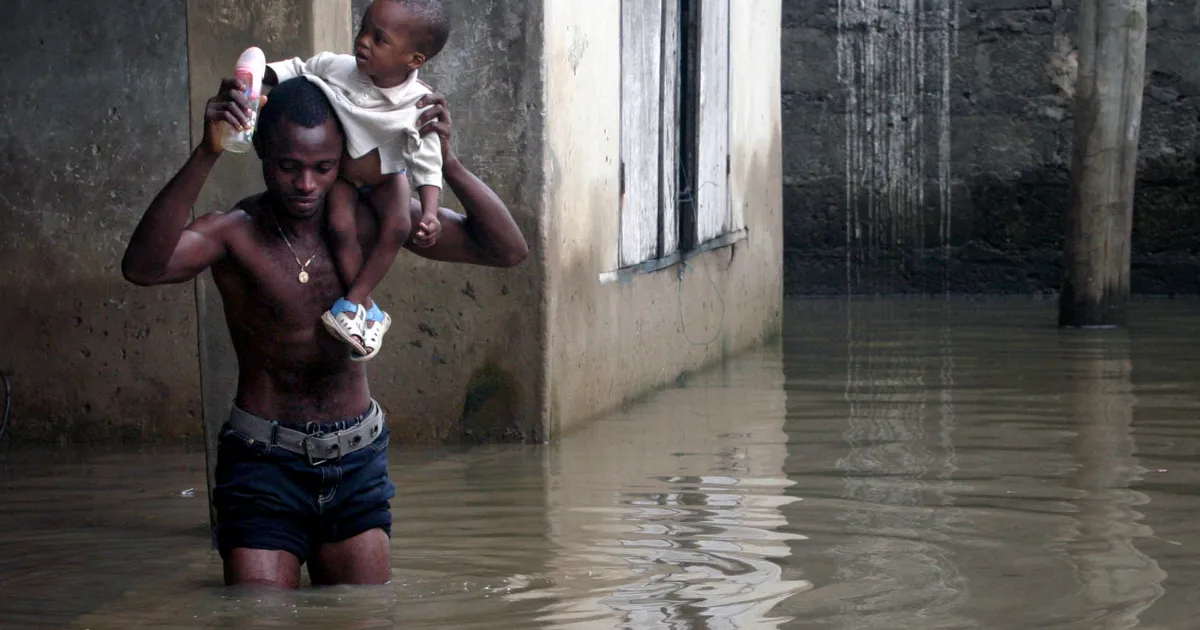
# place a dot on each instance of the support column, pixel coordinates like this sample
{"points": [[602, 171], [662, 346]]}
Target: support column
{"points": [[1108, 110], [218, 31]]}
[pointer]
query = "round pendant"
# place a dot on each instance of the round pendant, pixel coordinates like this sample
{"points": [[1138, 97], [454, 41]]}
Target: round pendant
{"points": [[303, 277]]}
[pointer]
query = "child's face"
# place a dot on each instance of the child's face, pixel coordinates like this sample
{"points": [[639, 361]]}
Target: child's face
{"points": [[383, 47]]}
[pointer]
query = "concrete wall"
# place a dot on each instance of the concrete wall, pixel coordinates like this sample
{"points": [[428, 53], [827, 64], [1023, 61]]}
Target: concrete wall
{"points": [[465, 354], [96, 105], [100, 124], [475, 354], [449, 362], [611, 342], [981, 89]]}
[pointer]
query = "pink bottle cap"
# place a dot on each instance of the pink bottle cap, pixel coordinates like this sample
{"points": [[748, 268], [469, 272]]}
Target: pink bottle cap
{"points": [[254, 63]]}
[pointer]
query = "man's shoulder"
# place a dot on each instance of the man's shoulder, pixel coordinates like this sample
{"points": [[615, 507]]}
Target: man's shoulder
{"points": [[237, 218], [246, 209], [223, 227]]}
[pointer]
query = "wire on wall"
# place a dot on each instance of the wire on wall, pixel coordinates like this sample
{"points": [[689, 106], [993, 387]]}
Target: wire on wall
{"points": [[686, 197]]}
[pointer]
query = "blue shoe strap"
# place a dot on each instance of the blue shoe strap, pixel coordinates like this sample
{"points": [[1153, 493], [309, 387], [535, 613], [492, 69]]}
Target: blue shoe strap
{"points": [[344, 306], [374, 314]]}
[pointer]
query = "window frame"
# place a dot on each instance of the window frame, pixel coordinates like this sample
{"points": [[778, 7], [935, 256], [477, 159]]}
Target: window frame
{"points": [[678, 212]]}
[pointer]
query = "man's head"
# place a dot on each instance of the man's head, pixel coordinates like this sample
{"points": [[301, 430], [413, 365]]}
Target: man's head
{"points": [[300, 142], [399, 36]]}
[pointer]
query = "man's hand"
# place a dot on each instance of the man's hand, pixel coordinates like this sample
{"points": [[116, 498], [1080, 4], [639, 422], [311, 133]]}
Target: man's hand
{"points": [[229, 106], [436, 119]]}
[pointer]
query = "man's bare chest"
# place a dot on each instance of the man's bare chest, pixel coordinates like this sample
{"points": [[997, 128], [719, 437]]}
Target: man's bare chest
{"points": [[294, 284]]}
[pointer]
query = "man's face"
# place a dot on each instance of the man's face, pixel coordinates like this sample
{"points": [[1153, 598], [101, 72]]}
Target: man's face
{"points": [[300, 165], [383, 47]]}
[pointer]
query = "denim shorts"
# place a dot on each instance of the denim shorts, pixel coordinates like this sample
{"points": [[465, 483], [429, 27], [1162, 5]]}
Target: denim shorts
{"points": [[269, 498]]}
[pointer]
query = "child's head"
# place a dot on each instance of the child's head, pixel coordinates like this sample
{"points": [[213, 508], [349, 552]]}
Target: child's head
{"points": [[399, 36]]}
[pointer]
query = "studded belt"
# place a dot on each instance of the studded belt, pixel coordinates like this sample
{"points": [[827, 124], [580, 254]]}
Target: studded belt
{"points": [[317, 447]]}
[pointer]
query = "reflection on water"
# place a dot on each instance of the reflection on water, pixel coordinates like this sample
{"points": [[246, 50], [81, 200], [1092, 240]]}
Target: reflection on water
{"points": [[897, 468], [668, 516], [1117, 579], [892, 464]]}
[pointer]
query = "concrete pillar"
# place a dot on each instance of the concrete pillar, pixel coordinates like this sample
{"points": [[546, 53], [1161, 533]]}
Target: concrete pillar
{"points": [[218, 31], [464, 359], [1108, 114]]}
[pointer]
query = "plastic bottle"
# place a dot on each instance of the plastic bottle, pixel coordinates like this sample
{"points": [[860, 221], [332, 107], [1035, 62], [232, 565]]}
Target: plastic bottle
{"points": [[251, 67]]}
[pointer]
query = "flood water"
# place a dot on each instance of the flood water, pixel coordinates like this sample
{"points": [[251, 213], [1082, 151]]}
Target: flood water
{"points": [[890, 464]]}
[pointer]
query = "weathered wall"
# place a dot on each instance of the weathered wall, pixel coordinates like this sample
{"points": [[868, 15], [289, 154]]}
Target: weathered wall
{"points": [[612, 342], [932, 151], [96, 103], [464, 358]]}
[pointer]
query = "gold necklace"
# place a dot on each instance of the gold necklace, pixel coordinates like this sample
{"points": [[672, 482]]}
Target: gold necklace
{"points": [[303, 277]]}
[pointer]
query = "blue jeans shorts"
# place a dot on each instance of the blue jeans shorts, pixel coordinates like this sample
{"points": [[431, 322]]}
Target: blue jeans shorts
{"points": [[270, 498]]}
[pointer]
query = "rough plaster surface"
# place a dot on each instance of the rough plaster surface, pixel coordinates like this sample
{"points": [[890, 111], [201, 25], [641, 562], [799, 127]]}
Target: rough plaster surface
{"points": [[465, 360], [610, 343], [1009, 151], [97, 103]]}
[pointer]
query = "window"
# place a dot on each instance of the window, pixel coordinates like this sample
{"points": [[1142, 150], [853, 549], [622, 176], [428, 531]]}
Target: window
{"points": [[674, 170]]}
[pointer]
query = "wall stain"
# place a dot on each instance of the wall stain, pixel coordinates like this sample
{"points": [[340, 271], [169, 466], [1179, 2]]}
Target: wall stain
{"points": [[491, 408]]}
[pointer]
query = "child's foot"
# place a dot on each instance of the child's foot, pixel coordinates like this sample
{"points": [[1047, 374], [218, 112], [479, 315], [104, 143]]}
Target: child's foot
{"points": [[346, 321], [378, 323]]}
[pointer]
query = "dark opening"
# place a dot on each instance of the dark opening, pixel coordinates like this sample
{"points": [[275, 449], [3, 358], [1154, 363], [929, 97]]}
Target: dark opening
{"points": [[689, 111]]}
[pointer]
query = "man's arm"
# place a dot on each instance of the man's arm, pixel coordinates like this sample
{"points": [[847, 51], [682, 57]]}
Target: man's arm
{"points": [[487, 235], [165, 248]]}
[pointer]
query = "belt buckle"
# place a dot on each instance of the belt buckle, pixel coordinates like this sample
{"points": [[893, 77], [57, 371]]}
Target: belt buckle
{"points": [[308, 450]]}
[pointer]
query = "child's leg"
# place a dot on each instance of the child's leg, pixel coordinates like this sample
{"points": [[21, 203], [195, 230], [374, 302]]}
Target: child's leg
{"points": [[345, 320], [391, 203], [343, 232]]}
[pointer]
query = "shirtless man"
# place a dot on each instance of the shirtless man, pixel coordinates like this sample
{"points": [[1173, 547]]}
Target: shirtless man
{"points": [[302, 460]]}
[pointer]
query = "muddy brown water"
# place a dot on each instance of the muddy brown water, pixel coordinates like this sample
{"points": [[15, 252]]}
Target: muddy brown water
{"points": [[890, 463]]}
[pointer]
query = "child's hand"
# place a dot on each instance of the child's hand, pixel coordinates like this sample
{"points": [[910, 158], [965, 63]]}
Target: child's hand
{"points": [[427, 231]]}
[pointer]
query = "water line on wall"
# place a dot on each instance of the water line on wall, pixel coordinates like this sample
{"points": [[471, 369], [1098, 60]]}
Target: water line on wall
{"points": [[894, 68]]}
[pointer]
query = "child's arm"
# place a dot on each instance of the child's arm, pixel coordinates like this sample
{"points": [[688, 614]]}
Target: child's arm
{"points": [[487, 235], [426, 163], [426, 231], [426, 168], [280, 71]]}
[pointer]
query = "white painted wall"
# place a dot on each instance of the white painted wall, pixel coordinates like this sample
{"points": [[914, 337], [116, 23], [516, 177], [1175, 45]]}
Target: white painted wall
{"points": [[608, 343]]}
